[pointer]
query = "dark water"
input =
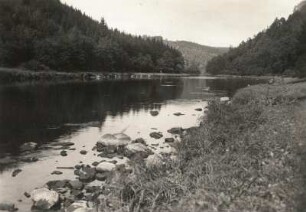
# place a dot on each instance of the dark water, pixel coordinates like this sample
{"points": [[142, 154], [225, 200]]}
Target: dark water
{"points": [[43, 112], [82, 112]]}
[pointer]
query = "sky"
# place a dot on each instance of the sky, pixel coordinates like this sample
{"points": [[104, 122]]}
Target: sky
{"points": [[208, 22]]}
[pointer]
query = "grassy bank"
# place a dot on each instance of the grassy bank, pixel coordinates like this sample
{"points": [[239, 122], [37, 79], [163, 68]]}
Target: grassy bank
{"points": [[246, 156]]}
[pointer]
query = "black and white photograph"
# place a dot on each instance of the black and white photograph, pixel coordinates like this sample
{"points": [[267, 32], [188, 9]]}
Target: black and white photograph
{"points": [[153, 105]]}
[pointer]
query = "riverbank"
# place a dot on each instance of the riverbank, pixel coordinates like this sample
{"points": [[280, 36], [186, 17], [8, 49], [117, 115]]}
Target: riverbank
{"points": [[8, 75], [246, 156]]}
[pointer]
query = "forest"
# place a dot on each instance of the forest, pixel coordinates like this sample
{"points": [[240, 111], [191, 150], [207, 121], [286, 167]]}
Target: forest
{"points": [[48, 35], [278, 50]]}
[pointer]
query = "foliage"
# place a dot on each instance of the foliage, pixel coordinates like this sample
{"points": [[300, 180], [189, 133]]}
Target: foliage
{"points": [[48, 34], [278, 50]]}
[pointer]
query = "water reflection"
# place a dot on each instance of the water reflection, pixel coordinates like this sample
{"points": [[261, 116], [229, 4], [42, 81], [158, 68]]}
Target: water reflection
{"points": [[44, 112]]}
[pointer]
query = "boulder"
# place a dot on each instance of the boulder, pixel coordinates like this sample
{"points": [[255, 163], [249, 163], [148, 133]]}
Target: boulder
{"points": [[75, 184], [102, 176], [156, 135], [169, 140], [56, 173], [30, 146], [44, 199], [175, 130], [137, 149], [111, 143], [154, 113], [83, 152], [179, 114], [79, 206], [86, 173], [16, 172], [224, 99], [57, 184], [105, 167], [139, 140], [122, 137], [63, 153], [154, 161]]}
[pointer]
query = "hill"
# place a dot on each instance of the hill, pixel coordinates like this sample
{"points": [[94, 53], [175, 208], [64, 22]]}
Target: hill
{"points": [[278, 50], [196, 55], [48, 35]]}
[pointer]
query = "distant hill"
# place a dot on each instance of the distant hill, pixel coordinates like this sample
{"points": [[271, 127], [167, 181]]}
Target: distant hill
{"points": [[196, 55], [48, 35], [278, 50]]}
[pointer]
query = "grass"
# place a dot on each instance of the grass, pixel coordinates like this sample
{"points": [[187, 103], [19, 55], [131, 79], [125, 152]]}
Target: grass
{"points": [[246, 156]]}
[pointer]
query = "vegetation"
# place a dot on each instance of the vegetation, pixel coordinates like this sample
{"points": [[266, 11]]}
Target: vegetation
{"points": [[45, 34], [246, 156], [196, 55], [278, 50]]}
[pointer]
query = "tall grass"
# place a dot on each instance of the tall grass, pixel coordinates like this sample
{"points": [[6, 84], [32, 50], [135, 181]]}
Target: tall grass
{"points": [[244, 157]]}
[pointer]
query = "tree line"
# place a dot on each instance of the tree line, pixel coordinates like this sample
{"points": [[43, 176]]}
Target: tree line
{"points": [[48, 35], [278, 50]]}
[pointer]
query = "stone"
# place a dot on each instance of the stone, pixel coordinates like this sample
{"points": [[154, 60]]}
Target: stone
{"points": [[122, 137], [175, 130], [105, 167], [16, 172], [156, 135], [138, 149], [63, 153], [83, 152], [198, 109], [44, 199], [7, 207], [95, 163], [87, 174], [30, 146], [27, 195], [75, 184], [139, 140], [154, 113], [79, 206], [77, 194], [154, 161], [102, 176], [224, 99], [169, 140], [56, 173], [57, 184], [179, 114]]}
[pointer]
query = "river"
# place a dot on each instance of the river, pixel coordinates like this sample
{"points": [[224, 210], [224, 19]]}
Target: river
{"points": [[81, 112]]}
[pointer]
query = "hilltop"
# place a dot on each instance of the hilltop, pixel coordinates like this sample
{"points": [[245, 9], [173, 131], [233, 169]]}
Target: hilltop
{"points": [[196, 55]]}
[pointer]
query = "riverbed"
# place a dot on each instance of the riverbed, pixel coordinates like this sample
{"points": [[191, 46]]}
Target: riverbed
{"points": [[82, 112]]}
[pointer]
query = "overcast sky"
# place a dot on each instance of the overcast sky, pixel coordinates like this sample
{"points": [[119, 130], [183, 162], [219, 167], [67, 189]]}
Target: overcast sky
{"points": [[208, 22]]}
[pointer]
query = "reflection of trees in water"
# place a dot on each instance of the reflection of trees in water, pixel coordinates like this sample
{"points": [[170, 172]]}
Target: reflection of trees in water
{"points": [[26, 113]]}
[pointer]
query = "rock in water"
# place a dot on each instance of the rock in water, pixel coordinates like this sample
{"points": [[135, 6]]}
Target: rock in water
{"points": [[179, 114], [198, 109], [169, 140], [30, 146], [139, 140], [79, 206], [122, 137], [175, 130], [75, 184], [86, 174], [224, 99], [83, 152], [105, 167], [156, 135], [141, 150], [63, 153], [154, 113], [111, 143], [16, 172], [44, 199]]}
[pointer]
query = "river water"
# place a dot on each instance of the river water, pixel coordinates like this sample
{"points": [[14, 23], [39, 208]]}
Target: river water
{"points": [[81, 112]]}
